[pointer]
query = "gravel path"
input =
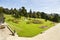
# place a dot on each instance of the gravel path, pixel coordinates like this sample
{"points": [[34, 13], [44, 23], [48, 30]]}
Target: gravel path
{"points": [[51, 34], [4, 33]]}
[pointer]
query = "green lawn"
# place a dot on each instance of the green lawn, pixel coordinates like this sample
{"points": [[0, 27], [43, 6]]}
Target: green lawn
{"points": [[27, 30]]}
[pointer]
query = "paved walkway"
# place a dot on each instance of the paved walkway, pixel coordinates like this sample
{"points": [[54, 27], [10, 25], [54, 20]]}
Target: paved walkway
{"points": [[4, 33], [51, 34]]}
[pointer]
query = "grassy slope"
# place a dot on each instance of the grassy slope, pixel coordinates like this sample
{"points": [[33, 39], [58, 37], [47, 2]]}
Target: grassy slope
{"points": [[27, 30]]}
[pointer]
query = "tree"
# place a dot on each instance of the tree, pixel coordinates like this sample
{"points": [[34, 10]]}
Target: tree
{"points": [[43, 15], [19, 11], [30, 13], [15, 13], [1, 9], [56, 18], [38, 14], [11, 11], [23, 12]]}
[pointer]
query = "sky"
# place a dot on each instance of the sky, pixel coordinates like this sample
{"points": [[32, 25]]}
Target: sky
{"points": [[47, 6]]}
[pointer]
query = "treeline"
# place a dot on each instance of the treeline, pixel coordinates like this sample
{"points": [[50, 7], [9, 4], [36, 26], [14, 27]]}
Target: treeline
{"points": [[17, 13]]}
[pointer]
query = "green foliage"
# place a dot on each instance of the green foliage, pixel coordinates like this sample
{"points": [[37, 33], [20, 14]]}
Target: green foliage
{"points": [[37, 22], [15, 21], [25, 29], [56, 18], [30, 13], [18, 13], [43, 27], [28, 22], [1, 9]]}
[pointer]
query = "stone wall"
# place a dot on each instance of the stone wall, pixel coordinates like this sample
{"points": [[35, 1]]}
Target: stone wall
{"points": [[1, 18]]}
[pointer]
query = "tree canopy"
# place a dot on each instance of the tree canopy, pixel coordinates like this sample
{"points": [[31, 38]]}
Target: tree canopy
{"points": [[17, 13]]}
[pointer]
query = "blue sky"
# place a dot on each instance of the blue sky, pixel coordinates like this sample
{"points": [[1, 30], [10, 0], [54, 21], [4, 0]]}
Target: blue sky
{"points": [[48, 6]]}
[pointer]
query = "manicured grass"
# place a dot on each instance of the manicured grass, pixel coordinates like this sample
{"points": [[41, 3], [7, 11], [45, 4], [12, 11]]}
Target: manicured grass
{"points": [[27, 30]]}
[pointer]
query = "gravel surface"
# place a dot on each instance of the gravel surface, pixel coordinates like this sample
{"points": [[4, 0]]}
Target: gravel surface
{"points": [[51, 34], [4, 33]]}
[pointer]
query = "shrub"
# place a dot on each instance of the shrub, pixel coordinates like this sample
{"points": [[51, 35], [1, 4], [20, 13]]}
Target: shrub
{"points": [[43, 27], [9, 20], [15, 21], [28, 22], [37, 22], [29, 19]]}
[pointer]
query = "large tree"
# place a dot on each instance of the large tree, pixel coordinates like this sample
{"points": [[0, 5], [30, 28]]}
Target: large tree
{"points": [[56, 18], [30, 13], [15, 13], [38, 14], [23, 11]]}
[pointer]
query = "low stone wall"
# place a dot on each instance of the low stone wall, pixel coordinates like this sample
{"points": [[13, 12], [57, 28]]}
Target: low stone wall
{"points": [[13, 32]]}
